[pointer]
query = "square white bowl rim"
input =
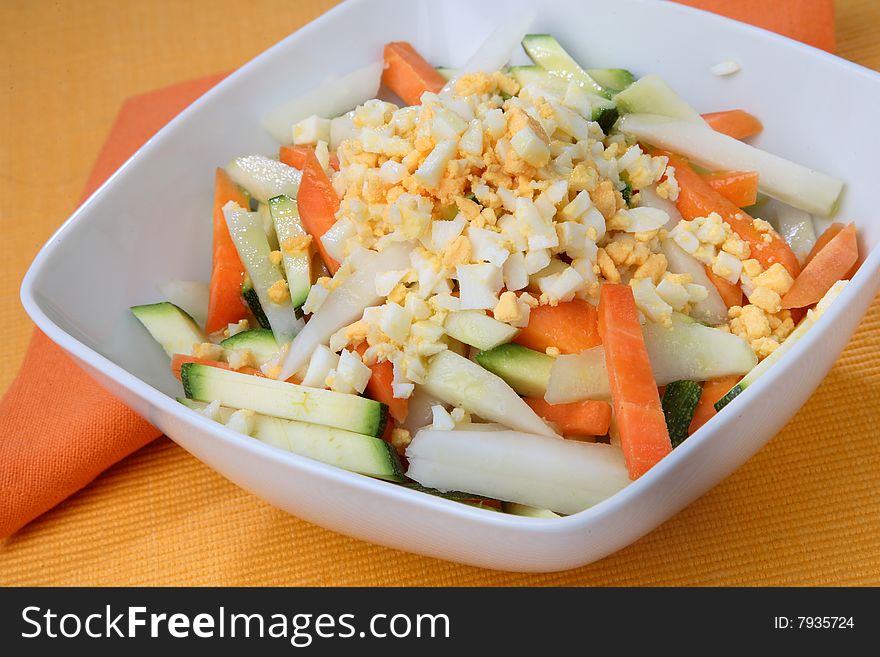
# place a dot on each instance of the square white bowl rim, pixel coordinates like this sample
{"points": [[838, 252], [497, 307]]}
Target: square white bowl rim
{"points": [[866, 276]]}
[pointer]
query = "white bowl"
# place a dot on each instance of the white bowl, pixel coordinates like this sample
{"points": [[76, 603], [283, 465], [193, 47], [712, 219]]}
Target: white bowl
{"points": [[150, 222]]}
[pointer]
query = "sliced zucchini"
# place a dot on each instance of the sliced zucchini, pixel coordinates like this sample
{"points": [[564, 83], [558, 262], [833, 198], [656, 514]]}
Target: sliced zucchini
{"points": [[576, 377], [350, 451], [525, 370], [458, 381], [268, 225], [799, 332], [652, 95], [345, 304], [687, 350], [261, 343], [539, 76], [792, 183], [604, 111], [546, 51], [614, 80], [170, 326], [253, 248], [565, 476], [263, 177], [679, 403], [285, 400], [249, 294], [477, 329], [297, 264], [454, 495]]}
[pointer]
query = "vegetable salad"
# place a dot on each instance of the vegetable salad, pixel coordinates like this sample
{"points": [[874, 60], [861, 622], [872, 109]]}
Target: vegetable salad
{"points": [[518, 287]]}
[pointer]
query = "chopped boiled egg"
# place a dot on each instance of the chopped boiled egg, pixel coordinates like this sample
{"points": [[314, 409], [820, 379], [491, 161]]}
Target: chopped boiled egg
{"points": [[479, 285]]}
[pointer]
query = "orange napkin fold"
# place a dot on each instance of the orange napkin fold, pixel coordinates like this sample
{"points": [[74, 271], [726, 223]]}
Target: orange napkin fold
{"points": [[59, 430], [810, 21]]}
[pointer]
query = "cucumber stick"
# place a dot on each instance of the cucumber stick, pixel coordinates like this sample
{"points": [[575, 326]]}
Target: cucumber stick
{"points": [[477, 329], [525, 370], [345, 304], [799, 332], [351, 451], [602, 110], [297, 263], [614, 80], [652, 95], [795, 184], [576, 377], [263, 177], [246, 230], [547, 53], [261, 343], [288, 401], [564, 476], [170, 326], [687, 350], [679, 403], [249, 294], [458, 381]]}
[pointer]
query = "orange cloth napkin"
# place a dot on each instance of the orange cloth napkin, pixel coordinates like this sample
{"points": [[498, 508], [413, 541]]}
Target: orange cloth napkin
{"points": [[810, 21], [59, 429]]}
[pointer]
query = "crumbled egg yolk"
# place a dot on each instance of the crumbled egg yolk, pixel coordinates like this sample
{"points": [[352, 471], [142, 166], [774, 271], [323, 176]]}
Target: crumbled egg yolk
{"points": [[297, 244], [278, 292], [504, 167]]}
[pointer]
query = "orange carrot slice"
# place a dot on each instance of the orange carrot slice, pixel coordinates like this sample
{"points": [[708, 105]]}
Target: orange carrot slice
{"points": [[738, 187], [697, 199], [408, 74], [318, 203], [731, 295], [295, 156], [177, 360], [225, 305], [712, 392], [637, 410], [829, 265], [570, 326], [379, 387], [823, 239], [737, 123], [584, 418]]}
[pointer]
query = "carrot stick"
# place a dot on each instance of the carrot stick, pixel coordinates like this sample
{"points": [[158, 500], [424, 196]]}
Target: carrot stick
{"points": [[379, 387], [697, 199], [637, 410], [570, 326], [225, 305], [731, 295], [177, 360], [295, 156], [738, 187], [712, 392], [408, 74], [318, 203], [823, 239], [584, 418], [829, 265], [737, 123]]}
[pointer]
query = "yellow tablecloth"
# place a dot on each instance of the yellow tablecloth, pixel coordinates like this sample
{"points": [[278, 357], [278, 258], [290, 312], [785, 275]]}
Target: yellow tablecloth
{"points": [[805, 510]]}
